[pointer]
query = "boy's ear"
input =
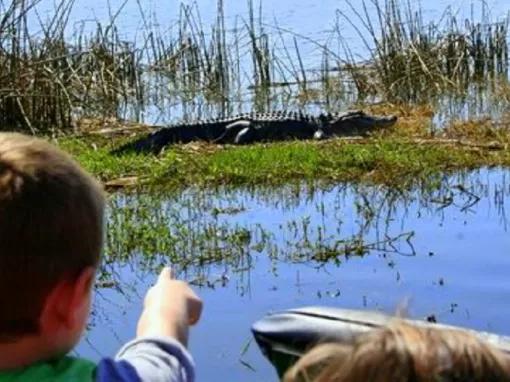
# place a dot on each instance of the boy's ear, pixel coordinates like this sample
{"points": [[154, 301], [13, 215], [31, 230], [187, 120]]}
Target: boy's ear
{"points": [[66, 301]]}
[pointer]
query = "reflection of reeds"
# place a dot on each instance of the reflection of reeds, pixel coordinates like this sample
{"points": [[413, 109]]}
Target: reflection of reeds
{"points": [[193, 232], [412, 61]]}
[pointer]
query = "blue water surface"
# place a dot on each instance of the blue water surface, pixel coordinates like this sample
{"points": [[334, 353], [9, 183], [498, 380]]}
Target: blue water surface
{"points": [[442, 252]]}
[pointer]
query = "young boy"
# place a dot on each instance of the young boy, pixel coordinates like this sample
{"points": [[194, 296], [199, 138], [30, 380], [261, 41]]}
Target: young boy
{"points": [[51, 233]]}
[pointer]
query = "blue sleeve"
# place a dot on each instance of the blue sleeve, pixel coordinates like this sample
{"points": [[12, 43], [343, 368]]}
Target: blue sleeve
{"points": [[148, 359]]}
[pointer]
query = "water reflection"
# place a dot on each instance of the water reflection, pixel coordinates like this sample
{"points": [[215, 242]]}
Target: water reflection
{"points": [[442, 247]]}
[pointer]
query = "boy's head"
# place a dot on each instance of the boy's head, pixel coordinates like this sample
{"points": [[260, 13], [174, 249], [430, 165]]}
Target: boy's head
{"points": [[403, 352], [51, 233]]}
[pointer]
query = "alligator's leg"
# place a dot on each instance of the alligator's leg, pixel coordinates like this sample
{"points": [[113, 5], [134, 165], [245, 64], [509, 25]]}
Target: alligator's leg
{"points": [[246, 136], [320, 135], [231, 131], [153, 143]]}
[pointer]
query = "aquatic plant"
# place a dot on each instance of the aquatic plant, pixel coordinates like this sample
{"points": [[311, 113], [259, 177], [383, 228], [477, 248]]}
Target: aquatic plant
{"points": [[186, 230], [47, 80], [413, 61], [55, 80]]}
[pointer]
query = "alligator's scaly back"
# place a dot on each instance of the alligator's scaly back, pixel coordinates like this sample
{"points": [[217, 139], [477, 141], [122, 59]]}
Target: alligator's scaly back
{"points": [[258, 127], [214, 130]]}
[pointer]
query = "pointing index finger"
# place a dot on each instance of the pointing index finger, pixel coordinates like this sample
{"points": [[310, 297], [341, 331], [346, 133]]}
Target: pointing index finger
{"points": [[166, 274]]}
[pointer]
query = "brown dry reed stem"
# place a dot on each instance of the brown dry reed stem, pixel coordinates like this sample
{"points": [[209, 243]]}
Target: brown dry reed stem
{"points": [[412, 60], [50, 78], [45, 78]]}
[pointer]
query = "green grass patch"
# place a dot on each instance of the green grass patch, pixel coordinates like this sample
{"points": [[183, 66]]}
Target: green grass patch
{"points": [[387, 160]]}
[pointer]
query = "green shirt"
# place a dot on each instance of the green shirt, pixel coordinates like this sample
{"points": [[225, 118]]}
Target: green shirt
{"points": [[68, 369]]}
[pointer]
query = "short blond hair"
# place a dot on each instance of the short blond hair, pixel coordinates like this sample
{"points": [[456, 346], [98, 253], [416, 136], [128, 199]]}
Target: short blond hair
{"points": [[51, 227], [403, 352]]}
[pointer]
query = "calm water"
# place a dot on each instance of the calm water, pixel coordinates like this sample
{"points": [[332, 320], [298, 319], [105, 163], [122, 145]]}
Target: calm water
{"points": [[441, 252], [303, 16]]}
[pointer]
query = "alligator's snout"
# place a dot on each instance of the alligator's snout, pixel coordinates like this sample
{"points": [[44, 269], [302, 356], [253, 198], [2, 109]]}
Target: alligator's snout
{"points": [[359, 123]]}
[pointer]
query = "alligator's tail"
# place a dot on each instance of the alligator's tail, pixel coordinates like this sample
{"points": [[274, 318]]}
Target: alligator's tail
{"points": [[151, 144], [129, 147]]}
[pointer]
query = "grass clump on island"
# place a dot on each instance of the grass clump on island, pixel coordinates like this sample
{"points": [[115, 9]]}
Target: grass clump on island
{"points": [[407, 154]]}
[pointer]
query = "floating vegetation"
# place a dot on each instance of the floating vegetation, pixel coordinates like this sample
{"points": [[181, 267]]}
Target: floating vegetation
{"points": [[186, 231]]}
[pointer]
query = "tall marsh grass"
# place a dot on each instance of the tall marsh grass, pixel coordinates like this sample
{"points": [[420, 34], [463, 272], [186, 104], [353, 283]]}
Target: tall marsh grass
{"points": [[412, 61], [45, 78], [50, 77]]}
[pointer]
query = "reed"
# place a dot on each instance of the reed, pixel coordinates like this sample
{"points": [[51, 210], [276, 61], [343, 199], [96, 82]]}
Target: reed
{"points": [[46, 78], [52, 79], [413, 61]]}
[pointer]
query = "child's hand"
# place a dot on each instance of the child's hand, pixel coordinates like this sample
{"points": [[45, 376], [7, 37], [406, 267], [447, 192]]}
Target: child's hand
{"points": [[170, 306]]}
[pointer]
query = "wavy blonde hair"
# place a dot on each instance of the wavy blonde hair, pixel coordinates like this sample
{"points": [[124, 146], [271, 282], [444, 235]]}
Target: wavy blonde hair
{"points": [[402, 352]]}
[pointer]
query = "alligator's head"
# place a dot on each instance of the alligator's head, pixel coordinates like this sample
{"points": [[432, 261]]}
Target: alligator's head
{"points": [[358, 123]]}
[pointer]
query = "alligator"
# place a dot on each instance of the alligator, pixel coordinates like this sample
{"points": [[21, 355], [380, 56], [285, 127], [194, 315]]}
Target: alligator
{"points": [[261, 127]]}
